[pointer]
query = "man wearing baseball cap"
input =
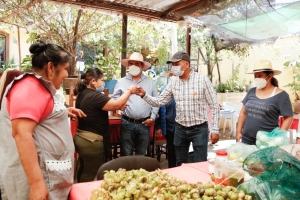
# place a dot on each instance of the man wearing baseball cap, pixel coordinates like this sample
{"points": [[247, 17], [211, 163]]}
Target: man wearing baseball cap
{"points": [[138, 115], [192, 93]]}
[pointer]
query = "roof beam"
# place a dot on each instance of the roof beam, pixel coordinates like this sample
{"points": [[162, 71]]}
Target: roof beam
{"points": [[179, 6], [121, 8]]}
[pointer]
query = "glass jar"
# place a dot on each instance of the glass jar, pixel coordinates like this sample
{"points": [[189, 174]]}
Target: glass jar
{"points": [[220, 167]]}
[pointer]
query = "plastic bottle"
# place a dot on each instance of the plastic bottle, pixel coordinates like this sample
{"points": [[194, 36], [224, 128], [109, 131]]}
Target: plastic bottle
{"points": [[220, 167]]}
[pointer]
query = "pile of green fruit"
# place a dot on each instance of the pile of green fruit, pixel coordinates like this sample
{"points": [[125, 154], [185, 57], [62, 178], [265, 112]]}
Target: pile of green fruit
{"points": [[142, 185]]}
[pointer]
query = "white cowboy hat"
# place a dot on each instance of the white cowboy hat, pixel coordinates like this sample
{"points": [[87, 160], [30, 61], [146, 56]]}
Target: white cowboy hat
{"points": [[264, 65], [136, 57]]}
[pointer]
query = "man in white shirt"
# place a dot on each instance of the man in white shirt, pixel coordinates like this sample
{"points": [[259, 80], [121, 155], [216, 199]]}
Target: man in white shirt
{"points": [[192, 93]]}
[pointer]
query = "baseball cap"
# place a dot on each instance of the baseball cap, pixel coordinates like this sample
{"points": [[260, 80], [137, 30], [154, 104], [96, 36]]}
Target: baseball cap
{"points": [[179, 56]]}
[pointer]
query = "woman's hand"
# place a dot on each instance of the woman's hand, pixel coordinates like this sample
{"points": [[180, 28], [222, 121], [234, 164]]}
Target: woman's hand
{"points": [[39, 191], [238, 137], [74, 112], [132, 89]]}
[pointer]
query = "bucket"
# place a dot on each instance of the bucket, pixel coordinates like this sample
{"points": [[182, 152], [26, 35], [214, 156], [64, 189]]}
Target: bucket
{"points": [[110, 84]]}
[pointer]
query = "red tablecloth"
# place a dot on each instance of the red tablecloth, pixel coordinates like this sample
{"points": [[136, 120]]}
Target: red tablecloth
{"points": [[192, 173]]}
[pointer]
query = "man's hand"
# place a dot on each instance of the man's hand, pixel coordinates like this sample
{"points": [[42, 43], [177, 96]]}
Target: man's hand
{"points": [[39, 191], [132, 88], [147, 122], [158, 133], [238, 137], [140, 91], [74, 112], [214, 138]]}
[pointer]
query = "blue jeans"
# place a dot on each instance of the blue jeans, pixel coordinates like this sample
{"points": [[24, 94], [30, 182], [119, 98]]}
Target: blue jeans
{"points": [[182, 139], [134, 136]]}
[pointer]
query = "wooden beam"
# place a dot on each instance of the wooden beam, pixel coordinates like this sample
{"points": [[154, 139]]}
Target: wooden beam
{"points": [[183, 5], [124, 43], [179, 6], [121, 8], [19, 10], [188, 40]]}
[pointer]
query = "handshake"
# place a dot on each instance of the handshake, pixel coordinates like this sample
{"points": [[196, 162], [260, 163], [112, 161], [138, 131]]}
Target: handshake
{"points": [[137, 90]]}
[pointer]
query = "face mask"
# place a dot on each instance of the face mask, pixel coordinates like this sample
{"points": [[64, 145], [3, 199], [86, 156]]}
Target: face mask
{"points": [[134, 70], [176, 70], [260, 82], [100, 89]]}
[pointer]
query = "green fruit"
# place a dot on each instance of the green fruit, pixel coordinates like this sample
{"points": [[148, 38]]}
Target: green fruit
{"points": [[212, 176]]}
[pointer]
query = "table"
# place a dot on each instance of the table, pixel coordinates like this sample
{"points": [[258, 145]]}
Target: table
{"points": [[192, 173]]}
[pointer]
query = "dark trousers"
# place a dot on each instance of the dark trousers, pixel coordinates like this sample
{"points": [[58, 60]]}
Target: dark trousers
{"points": [[182, 139], [171, 149], [91, 157]]}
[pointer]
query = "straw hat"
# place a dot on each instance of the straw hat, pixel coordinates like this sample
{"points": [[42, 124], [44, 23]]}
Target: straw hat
{"points": [[136, 57], [264, 65]]}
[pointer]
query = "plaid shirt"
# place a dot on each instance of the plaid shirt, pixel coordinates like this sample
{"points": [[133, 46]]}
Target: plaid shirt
{"points": [[192, 97]]}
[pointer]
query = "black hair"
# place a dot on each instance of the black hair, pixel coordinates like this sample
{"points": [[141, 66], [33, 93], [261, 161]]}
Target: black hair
{"points": [[88, 76], [43, 53], [274, 81]]}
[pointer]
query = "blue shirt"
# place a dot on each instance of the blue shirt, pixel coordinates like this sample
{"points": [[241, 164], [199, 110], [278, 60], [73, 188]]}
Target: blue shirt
{"points": [[138, 108], [166, 120]]}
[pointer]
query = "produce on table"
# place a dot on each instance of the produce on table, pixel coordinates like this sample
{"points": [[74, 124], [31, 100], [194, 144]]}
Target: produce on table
{"points": [[141, 185], [239, 151]]}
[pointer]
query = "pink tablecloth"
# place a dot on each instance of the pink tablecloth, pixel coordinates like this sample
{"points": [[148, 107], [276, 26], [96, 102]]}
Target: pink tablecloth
{"points": [[192, 173]]}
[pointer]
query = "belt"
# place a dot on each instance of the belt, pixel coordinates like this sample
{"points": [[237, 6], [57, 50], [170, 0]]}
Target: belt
{"points": [[134, 120], [191, 127]]}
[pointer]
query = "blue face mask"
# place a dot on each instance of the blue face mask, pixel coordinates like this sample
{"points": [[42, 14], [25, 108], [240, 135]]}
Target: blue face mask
{"points": [[100, 89]]}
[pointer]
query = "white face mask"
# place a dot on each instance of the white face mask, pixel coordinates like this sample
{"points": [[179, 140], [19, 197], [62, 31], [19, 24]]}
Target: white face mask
{"points": [[134, 70], [176, 70], [260, 82]]}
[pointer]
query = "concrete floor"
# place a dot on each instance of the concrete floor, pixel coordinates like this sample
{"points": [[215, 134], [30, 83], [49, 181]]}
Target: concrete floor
{"points": [[225, 141]]}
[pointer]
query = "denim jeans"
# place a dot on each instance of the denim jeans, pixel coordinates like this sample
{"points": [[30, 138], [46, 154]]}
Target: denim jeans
{"points": [[134, 136], [171, 149], [182, 139]]}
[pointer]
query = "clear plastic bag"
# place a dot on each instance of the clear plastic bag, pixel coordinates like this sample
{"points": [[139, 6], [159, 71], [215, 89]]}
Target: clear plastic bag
{"points": [[239, 151], [275, 138], [276, 175]]}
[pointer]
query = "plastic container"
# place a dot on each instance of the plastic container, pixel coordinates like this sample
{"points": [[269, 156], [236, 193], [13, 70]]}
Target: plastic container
{"points": [[220, 167], [235, 174]]}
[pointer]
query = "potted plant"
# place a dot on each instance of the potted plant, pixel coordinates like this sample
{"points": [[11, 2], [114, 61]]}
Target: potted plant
{"points": [[248, 87], [295, 85], [110, 65], [26, 64], [221, 88]]}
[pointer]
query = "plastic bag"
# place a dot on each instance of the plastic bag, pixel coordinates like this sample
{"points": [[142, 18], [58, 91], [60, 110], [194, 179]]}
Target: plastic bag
{"points": [[239, 151], [276, 175], [276, 138], [293, 149]]}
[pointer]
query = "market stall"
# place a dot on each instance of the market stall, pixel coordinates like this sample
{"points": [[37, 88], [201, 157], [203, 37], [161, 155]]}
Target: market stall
{"points": [[192, 173]]}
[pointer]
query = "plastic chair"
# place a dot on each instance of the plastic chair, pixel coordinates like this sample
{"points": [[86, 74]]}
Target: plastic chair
{"points": [[295, 127], [129, 163], [231, 114]]}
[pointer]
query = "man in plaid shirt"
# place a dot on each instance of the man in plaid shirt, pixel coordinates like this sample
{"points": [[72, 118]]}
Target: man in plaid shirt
{"points": [[192, 93]]}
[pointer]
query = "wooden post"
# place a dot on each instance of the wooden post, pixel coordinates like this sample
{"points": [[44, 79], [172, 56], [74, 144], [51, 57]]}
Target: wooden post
{"points": [[19, 47], [124, 43], [188, 40]]}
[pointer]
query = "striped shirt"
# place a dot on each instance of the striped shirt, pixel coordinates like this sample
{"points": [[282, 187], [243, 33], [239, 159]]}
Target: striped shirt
{"points": [[192, 97]]}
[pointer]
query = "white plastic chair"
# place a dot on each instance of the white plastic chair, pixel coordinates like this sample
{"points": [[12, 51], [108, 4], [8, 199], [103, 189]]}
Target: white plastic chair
{"points": [[231, 117]]}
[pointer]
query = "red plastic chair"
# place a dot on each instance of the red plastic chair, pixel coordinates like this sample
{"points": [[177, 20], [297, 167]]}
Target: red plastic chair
{"points": [[115, 137], [294, 126], [157, 144]]}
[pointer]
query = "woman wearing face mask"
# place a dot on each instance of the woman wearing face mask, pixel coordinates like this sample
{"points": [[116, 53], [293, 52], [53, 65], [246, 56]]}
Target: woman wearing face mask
{"points": [[92, 137], [263, 105]]}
